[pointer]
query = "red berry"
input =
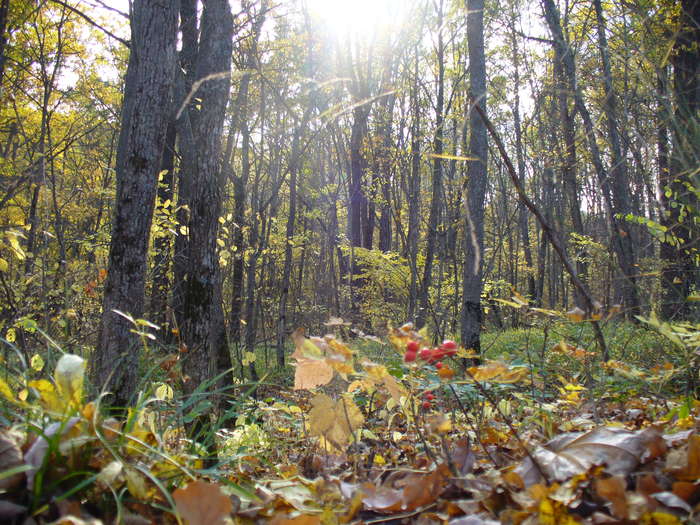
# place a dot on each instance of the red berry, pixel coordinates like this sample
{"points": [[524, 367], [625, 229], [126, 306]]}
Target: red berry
{"points": [[426, 354], [412, 346], [439, 353], [438, 365], [409, 357], [426, 405], [429, 396], [448, 344]]}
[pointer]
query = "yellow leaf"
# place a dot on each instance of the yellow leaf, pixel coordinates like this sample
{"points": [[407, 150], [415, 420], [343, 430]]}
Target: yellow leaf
{"points": [[659, 518], [164, 392], [576, 314], [248, 358], [48, 395], [11, 335], [37, 363], [6, 391], [4, 266], [334, 421], [136, 484]]}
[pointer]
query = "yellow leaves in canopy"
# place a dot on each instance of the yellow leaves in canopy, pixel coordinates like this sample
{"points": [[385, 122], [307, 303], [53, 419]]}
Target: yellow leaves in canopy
{"points": [[334, 421], [497, 372]]}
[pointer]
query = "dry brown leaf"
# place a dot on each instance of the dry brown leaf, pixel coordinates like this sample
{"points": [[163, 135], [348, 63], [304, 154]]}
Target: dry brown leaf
{"points": [[410, 492], [312, 369], [613, 490], [202, 503], [691, 470], [567, 455]]}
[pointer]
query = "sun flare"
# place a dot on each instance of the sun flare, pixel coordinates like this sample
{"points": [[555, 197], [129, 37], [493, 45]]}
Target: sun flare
{"points": [[359, 17]]}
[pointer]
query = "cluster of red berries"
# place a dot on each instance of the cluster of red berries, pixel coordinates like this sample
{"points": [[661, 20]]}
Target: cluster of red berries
{"points": [[428, 400], [432, 356]]}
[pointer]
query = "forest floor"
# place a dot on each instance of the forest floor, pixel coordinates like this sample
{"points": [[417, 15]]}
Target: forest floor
{"points": [[397, 431]]}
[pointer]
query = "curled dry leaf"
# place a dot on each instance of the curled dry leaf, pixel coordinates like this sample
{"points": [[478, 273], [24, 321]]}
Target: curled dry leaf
{"points": [[497, 372], [409, 492], [202, 503], [567, 455]]}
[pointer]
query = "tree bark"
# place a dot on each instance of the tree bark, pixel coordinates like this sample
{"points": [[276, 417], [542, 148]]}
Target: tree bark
{"points": [[680, 274], [476, 180], [200, 331], [114, 365]]}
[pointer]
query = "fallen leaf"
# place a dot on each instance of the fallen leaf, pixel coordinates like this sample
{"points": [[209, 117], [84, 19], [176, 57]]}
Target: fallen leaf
{"points": [[613, 490], [567, 455], [691, 471], [202, 503]]}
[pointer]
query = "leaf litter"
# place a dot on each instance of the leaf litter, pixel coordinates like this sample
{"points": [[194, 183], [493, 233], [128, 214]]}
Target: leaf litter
{"points": [[361, 442]]}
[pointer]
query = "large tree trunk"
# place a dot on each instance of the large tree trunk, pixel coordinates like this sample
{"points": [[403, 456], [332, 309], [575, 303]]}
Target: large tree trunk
{"points": [[200, 331], [4, 12], [476, 180], [681, 273], [114, 365]]}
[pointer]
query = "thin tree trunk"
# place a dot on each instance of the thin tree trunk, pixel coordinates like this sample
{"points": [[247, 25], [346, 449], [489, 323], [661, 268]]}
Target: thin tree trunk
{"points": [[476, 180], [523, 224], [436, 197], [621, 206]]}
